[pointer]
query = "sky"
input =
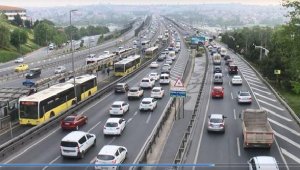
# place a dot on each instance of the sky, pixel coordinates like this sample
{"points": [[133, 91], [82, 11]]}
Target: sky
{"points": [[49, 3]]}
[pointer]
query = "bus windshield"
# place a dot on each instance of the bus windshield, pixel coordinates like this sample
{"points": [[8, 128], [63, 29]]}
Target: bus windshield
{"points": [[119, 67], [29, 111]]}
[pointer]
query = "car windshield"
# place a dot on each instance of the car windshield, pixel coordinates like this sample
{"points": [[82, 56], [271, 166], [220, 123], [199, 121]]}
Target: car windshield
{"points": [[156, 90], [213, 120], [119, 86], [152, 74], [116, 106], [146, 102], [105, 157], [133, 90], [145, 80], [69, 119], [111, 124]]}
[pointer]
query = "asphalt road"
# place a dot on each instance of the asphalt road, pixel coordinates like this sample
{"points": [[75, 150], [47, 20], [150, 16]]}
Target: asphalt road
{"points": [[138, 128]]}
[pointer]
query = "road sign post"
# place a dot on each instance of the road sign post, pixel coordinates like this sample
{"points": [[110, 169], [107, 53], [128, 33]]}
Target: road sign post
{"points": [[178, 90]]}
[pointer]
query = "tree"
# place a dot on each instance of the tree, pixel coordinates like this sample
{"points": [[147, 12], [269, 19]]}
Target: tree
{"points": [[4, 36], [27, 24], [17, 20], [18, 37]]}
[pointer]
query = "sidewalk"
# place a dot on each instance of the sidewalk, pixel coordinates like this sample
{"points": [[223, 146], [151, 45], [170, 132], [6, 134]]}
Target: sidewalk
{"points": [[181, 123]]}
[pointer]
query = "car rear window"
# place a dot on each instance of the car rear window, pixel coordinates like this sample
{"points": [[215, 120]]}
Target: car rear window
{"points": [[68, 144], [111, 124], [145, 80], [116, 106], [216, 120], [244, 94], [119, 86], [156, 90], [69, 119], [146, 102], [105, 157]]}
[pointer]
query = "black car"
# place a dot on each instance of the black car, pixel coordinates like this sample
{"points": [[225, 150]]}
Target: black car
{"points": [[226, 57], [33, 73], [217, 69], [121, 87]]}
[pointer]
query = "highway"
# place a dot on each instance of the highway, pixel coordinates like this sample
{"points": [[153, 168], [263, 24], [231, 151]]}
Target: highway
{"points": [[138, 128]]}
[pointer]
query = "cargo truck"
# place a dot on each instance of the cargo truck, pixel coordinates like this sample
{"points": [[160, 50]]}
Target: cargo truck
{"points": [[257, 131]]}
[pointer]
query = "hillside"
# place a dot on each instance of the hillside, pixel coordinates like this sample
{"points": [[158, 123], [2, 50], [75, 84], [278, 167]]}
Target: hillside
{"points": [[11, 52]]}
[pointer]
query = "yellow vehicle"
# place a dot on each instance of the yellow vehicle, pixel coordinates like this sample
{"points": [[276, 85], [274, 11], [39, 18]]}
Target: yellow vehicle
{"points": [[43, 105], [127, 65], [21, 67], [150, 52]]}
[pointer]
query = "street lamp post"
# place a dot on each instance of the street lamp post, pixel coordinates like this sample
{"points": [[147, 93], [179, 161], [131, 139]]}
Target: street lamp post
{"points": [[72, 53]]}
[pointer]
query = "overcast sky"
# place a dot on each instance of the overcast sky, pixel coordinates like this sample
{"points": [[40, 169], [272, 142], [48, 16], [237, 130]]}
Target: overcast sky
{"points": [[48, 3]]}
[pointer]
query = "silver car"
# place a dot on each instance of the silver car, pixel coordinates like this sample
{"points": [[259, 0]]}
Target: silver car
{"points": [[244, 97], [216, 123], [60, 69]]}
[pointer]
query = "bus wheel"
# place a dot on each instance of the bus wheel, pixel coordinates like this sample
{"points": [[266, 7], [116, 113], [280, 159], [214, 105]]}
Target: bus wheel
{"points": [[90, 93], [52, 114], [73, 102]]}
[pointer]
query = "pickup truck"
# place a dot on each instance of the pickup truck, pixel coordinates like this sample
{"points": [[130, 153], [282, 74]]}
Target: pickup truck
{"points": [[257, 131]]}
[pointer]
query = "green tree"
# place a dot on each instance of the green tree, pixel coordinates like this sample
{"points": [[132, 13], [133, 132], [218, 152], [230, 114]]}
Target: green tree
{"points": [[17, 20], [4, 36], [18, 37], [27, 24]]}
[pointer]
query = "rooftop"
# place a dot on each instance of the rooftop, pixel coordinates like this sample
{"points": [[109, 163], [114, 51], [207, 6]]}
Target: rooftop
{"points": [[11, 8]]}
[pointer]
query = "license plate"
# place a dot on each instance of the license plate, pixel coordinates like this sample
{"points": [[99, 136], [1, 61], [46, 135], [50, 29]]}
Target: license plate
{"points": [[67, 123]]}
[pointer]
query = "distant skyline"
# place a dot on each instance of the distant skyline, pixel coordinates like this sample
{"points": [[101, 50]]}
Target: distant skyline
{"points": [[46, 3]]}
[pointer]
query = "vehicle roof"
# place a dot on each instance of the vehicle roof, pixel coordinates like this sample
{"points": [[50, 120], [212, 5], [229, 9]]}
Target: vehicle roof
{"points": [[267, 162], [164, 74], [114, 120], [74, 136], [153, 73], [147, 99], [216, 116], [218, 87], [82, 78], [237, 76], [108, 150], [157, 88], [134, 88], [118, 102], [122, 84]]}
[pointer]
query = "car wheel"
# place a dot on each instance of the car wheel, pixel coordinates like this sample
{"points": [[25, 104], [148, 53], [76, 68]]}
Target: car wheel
{"points": [[81, 155], [94, 144]]}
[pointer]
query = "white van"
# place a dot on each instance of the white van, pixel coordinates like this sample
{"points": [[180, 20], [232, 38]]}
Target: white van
{"points": [[218, 78], [76, 144], [164, 79], [263, 163]]}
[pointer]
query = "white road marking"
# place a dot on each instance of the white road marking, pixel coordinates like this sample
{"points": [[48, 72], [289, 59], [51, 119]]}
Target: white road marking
{"points": [[252, 84], [229, 83], [265, 97], [231, 95], [275, 114], [251, 77], [258, 82], [276, 107], [287, 139], [135, 113], [52, 162], [129, 120], [288, 154], [234, 114], [238, 146], [261, 90], [284, 127], [94, 126], [149, 117], [249, 74]]}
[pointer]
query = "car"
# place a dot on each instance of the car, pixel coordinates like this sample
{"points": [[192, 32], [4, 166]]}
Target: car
{"points": [[77, 143], [21, 67], [244, 97], [217, 69], [232, 68], [157, 92], [166, 66], [218, 78], [147, 82], [229, 60], [226, 57], [114, 126], [217, 92], [169, 61], [60, 69], [148, 104], [121, 88], [236, 80], [164, 78], [28, 83], [216, 123], [33, 73], [110, 154], [161, 57], [119, 108], [73, 122], [135, 92], [154, 76], [153, 65], [263, 163], [19, 60]]}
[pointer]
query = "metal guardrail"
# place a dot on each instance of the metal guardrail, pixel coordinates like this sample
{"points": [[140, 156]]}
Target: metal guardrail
{"points": [[33, 132], [5, 122], [187, 137]]}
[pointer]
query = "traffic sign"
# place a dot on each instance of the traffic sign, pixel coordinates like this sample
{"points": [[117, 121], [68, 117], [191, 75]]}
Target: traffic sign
{"points": [[178, 83], [178, 89], [177, 93]]}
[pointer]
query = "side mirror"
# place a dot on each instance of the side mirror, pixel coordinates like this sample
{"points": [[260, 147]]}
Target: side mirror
{"points": [[240, 116], [224, 117]]}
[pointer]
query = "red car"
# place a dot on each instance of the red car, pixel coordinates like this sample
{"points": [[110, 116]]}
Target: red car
{"points": [[217, 91], [73, 122]]}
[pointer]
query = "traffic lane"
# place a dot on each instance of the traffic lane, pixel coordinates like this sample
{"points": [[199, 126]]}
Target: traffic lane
{"points": [[47, 144]]}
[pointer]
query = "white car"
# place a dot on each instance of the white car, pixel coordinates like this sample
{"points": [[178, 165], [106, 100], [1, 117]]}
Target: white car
{"points": [[169, 61], [114, 126], [157, 92], [135, 92], [60, 69], [148, 104], [167, 66], [244, 97], [119, 108], [19, 60], [110, 154], [263, 162], [147, 82], [236, 80], [154, 76], [154, 64]]}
